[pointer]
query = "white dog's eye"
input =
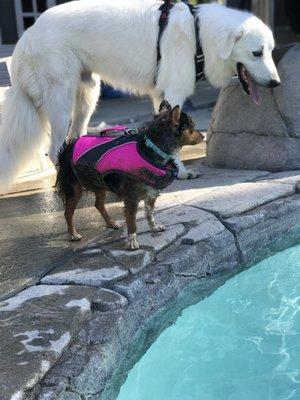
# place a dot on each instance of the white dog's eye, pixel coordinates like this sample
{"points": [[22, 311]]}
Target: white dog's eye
{"points": [[257, 53]]}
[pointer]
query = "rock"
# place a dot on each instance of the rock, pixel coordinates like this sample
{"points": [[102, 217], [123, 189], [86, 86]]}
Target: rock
{"points": [[134, 261], [203, 231], [36, 326], [104, 347], [159, 240], [287, 96], [211, 254], [150, 293], [245, 136], [108, 300], [289, 177], [247, 151], [48, 394], [86, 268], [69, 396], [105, 327], [256, 230], [236, 199], [177, 215]]}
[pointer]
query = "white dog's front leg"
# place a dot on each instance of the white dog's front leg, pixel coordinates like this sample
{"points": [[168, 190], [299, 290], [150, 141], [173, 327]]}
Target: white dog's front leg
{"points": [[185, 173]]}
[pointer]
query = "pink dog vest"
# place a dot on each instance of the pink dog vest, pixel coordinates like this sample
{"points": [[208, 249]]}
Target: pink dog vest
{"points": [[96, 159]]}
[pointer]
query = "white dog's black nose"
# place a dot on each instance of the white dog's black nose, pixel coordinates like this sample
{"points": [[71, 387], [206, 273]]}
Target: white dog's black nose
{"points": [[274, 83]]}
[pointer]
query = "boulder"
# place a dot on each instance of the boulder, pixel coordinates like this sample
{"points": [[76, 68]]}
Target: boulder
{"points": [[243, 135]]}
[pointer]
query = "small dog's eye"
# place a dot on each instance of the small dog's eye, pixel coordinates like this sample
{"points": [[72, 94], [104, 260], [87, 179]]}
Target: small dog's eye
{"points": [[257, 53]]}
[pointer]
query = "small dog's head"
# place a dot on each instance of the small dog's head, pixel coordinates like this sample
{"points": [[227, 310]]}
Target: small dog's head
{"points": [[176, 127]]}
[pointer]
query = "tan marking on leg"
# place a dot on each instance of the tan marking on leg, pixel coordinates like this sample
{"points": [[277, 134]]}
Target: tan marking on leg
{"points": [[71, 205], [130, 211], [100, 205]]}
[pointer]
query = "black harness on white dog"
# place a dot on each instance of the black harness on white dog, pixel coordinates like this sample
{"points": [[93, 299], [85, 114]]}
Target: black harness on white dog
{"points": [[163, 22]]}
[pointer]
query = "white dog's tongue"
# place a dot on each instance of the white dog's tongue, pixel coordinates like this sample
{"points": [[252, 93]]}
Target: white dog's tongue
{"points": [[254, 93]]}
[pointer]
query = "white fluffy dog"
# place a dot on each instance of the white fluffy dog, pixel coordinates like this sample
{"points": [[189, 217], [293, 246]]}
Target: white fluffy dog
{"points": [[58, 64]]}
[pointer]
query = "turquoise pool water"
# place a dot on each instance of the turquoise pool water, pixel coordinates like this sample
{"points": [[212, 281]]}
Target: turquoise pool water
{"points": [[241, 343]]}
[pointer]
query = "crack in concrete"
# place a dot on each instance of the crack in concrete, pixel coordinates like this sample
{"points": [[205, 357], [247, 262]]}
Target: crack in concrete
{"points": [[187, 276], [236, 241], [221, 220]]}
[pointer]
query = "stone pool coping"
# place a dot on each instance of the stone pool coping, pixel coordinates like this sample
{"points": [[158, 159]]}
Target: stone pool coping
{"points": [[71, 336]]}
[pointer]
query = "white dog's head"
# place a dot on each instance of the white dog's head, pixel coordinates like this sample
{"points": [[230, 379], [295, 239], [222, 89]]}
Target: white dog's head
{"points": [[236, 42], [249, 52]]}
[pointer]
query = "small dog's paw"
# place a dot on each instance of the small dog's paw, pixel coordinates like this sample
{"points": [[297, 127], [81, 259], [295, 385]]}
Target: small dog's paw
{"points": [[132, 243], [158, 228], [74, 237], [115, 225], [189, 174]]}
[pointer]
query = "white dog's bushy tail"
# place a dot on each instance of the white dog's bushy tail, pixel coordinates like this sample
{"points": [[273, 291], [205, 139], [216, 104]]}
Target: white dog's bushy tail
{"points": [[22, 132]]}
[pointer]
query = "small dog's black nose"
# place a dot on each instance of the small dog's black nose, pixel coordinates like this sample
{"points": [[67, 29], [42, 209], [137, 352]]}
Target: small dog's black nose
{"points": [[274, 83]]}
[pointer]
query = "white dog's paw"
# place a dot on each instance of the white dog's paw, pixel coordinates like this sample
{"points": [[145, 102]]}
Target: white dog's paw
{"points": [[74, 237], [189, 174], [132, 243], [158, 227], [184, 173]]}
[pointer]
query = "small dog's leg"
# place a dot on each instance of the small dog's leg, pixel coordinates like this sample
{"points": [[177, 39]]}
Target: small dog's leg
{"points": [[149, 211], [71, 205], [100, 205], [130, 211]]}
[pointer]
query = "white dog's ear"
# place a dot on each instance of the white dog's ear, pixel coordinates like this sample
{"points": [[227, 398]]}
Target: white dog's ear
{"points": [[227, 42]]}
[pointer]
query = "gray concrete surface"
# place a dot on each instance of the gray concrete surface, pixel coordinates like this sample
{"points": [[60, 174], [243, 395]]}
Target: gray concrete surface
{"points": [[36, 326]]}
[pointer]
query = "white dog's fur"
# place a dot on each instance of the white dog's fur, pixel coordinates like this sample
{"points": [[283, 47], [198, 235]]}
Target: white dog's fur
{"points": [[58, 63]]}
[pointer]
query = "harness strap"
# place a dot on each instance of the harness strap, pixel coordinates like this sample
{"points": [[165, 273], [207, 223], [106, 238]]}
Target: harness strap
{"points": [[163, 21], [199, 56]]}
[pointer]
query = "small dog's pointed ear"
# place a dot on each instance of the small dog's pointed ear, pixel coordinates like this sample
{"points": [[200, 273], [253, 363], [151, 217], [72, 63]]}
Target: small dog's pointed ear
{"points": [[175, 116], [164, 106]]}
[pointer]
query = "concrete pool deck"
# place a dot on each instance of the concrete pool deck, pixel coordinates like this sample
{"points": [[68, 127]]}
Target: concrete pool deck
{"points": [[67, 332], [75, 317]]}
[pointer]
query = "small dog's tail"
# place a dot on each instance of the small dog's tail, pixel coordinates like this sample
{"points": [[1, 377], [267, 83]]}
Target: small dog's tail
{"points": [[66, 177]]}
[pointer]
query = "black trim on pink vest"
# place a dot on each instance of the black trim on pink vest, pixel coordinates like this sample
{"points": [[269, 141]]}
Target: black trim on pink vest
{"points": [[85, 168]]}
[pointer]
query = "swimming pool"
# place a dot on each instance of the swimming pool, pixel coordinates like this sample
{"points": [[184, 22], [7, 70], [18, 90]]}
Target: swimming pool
{"points": [[240, 343]]}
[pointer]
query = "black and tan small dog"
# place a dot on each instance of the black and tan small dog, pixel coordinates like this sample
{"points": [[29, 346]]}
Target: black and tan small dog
{"points": [[135, 165]]}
